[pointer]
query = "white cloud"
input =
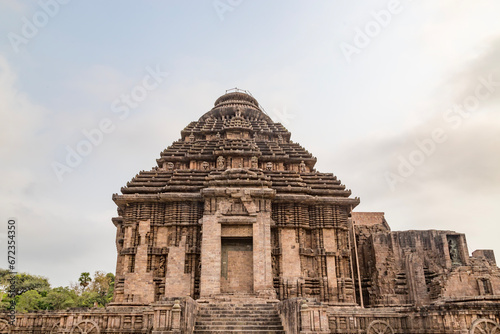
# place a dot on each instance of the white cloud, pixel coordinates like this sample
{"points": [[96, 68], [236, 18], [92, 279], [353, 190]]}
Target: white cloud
{"points": [[19, 133], [456, 186], [13, 5]]}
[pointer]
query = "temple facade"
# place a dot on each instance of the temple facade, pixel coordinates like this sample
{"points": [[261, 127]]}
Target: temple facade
{"points": [[235, 231], [234, 207]]}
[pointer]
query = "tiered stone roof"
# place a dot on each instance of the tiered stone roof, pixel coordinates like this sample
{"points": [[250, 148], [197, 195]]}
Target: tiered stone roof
{"points": [[236, 133], [191, 180]]}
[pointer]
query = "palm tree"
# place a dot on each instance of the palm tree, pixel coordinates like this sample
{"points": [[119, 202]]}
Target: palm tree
{"points": [[84, 280]]}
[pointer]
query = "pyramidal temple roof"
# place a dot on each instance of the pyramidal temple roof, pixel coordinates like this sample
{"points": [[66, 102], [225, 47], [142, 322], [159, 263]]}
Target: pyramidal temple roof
{"points": [[230, 103], [235, 135]]}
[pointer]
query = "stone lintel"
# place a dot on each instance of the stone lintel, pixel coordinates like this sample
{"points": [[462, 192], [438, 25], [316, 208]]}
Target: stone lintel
{"points": [[238, 220], [121, 200], [308, 199], [234, 192], [236, 231]]}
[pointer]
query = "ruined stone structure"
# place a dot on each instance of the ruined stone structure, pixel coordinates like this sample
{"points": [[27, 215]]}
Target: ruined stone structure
{"points": [[235, 231], [419, 267]]}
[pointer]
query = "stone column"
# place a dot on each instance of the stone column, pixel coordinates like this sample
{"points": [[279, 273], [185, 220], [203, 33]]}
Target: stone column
{"points": [[139, 283], [262, 264], [210, 256], [331, 249], [177, 283], [290, 254]]}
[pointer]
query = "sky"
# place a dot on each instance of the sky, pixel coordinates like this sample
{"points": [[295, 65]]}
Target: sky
{"points": [[399, 99]]}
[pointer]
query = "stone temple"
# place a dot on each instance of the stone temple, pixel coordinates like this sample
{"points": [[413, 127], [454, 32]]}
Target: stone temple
{"points": [[235, 231]]}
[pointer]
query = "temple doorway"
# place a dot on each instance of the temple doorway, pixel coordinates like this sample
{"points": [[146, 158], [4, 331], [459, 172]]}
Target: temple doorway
{"points": [[236, 265]]}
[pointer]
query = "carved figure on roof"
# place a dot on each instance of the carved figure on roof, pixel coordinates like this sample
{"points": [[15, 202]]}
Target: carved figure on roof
{"points": [[254, 162], [170, 166], [453, 249], [221, 162], [302, 167], [269, 166]]}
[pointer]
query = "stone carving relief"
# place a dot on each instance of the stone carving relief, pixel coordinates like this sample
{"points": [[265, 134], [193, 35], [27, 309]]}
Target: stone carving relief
{"points": [[221, 162], [4, 327], [237, 208], [161, 266], [302, 167], [254, 161], [239, 204], [454, 252], [85, 327], [56, 329], [379, 327], [485, 326]]}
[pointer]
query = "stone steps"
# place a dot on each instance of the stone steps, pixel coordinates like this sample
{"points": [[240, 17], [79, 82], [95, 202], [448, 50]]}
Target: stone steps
{"points": [[224, 317], [240, 331], [234, 322], [240, 327], [235, 313]]}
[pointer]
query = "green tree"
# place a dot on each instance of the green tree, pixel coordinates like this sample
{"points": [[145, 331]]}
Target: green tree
{"points": [[18, 286], [29, 301], [111, 289], [33, 292], [88, 299], [60, 298], [27, 282], [4, 276], [103, 284], [85, 280], [23, 282]]}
